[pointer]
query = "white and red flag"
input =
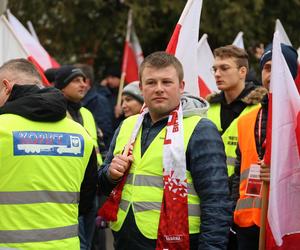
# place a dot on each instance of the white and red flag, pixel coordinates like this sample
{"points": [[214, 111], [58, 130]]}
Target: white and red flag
{"points": [[285, 39], [133, 54], [12, 48], [284, 200], [239, 41], [32, 46], [184, 42], [206, 80]]}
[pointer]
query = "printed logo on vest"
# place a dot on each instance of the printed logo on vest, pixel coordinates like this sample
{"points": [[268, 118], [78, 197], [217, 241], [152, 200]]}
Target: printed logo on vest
{"points": [[47, 143]]}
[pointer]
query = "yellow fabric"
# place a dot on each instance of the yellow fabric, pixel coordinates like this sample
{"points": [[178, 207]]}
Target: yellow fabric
{"points": [[55, 161], [90, 125], [150, 165], [230, 136]]}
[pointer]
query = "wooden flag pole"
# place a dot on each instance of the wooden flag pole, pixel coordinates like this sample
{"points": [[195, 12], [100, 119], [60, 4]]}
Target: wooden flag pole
{"points": [[263, 217]]}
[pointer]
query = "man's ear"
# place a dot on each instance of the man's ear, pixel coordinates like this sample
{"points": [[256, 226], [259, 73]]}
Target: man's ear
{"points": [[243, 71], [181, 86], [8, 86]]}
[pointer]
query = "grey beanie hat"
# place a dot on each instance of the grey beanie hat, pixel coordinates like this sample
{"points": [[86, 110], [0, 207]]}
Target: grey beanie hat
{"points": [[133, 89]]}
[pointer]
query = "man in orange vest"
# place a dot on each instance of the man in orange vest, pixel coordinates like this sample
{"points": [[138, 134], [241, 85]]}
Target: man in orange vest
{"points": [[250, 152]]}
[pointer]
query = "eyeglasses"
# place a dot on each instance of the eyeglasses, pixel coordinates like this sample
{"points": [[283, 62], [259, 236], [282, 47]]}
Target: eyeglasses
{"points": [[222, 68]]}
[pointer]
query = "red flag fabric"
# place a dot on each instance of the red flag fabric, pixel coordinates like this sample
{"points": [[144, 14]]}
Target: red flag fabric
{"points": [[205, 61], [40, 70], [33, 47], [133, 54], [297, 80], [184, 41], [204, 90], [284, 199]]}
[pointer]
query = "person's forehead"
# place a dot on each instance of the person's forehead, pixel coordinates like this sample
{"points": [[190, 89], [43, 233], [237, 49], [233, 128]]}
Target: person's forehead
{"points": [[224, 60]]}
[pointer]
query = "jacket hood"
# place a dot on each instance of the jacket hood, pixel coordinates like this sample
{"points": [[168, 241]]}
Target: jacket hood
{"points": [[36, 104], [250, 95], [192, 105]]}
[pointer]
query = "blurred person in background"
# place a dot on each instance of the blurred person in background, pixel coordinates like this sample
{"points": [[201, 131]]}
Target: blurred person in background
{"points": [[132, 99]]}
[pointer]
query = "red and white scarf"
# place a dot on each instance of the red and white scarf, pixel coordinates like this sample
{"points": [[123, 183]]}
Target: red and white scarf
{"points": [[173, 229]]}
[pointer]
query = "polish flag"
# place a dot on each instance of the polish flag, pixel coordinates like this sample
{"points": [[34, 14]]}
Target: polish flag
{"points": [[285, 39], [133, 54], [184, 42], [12, 48], [206, 80], [31, 45], [284, 200], [239, 41]]}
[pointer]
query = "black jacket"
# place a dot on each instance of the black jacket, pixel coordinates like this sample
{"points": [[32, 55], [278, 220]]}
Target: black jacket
{"points": [[231, 111], [49, 105]]}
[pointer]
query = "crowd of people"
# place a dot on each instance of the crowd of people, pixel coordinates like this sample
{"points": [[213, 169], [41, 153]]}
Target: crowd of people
{"points": [[165, 170]]}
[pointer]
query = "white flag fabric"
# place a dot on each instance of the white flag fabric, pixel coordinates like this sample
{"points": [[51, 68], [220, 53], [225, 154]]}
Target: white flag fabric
{"points": [[183, 43], [284, 200], [33, 47], [239, 41], [283, 37], [205, 61], [10, 47]]}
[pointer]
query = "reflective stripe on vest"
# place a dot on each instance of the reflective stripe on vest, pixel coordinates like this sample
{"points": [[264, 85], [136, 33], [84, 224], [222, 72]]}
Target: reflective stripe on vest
{"points": [[230, 136], [154, 181], [38, 196], [38, 235], [143, 189], [42, 166], [90, 125], [248, 208]]}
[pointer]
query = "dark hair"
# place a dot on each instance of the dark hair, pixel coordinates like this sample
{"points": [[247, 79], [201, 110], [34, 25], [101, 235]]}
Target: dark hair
{"points": [[240, 55], [22, 65], [161, 59]]}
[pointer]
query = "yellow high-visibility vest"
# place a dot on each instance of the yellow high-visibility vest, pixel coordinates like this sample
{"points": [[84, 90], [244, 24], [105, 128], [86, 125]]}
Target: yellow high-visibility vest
{"points": [[90, 125], [144, 184], [230, 136], [42, 166]]}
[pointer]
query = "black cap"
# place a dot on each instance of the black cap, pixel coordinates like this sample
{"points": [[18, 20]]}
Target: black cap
{"points": [[50, 74], [65, 74]]}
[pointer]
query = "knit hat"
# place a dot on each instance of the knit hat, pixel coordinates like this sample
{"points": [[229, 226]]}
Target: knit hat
{"points": [[65, 74], [50, 74], [132, 89], [289, 53], [113, 70]]}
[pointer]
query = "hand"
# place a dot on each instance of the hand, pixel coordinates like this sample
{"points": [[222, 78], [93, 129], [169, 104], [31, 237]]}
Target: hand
{"points": [[118, 111], [264, 172], [119, 165]]}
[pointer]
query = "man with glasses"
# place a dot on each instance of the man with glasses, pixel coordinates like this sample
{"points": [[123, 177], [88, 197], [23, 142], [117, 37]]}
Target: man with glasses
{"points": [[235, 99]]}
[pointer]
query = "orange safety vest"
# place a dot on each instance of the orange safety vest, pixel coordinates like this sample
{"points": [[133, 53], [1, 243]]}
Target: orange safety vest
{"points": [[248, 208]]}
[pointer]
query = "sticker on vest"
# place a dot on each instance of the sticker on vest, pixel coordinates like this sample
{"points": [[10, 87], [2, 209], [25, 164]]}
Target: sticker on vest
{"points": [[47, 143], [254, 183]]}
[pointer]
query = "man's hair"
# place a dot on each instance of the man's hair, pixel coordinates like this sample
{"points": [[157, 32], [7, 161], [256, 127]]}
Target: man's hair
{"points": [[231, 51], [22, 66], [159, 60], [87, 70]]}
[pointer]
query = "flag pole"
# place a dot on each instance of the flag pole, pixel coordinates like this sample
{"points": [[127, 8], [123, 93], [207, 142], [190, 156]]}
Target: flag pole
{"points": [[14, 34], [263, 216], [125, 57]]}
